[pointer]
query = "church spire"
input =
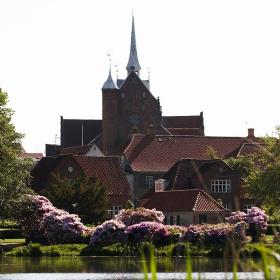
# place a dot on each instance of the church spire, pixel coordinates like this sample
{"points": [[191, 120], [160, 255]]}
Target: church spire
{"points": [[133, 63], [109, 84]]}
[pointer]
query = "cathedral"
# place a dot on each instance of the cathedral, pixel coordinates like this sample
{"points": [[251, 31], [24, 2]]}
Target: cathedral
{"points": [[128, 108]]}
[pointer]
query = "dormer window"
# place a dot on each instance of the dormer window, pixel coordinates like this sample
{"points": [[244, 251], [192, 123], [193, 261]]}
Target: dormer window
{"points": [[220, 186], [160, 185]]}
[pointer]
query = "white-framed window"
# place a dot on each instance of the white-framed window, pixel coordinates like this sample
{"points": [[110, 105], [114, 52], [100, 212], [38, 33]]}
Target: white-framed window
{"points": [[173, 220], [247, 207], [115, 210], [149, 181], [227, 207], [220, 186]]}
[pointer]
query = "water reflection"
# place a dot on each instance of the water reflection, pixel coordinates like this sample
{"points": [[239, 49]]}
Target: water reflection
{"points": [[113, 265]]}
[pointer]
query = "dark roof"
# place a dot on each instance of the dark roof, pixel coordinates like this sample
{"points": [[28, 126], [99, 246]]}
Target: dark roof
{"points": [[41, 171], [108, 171], [183, 121], [52, 149], [185, 131], [250, 148], [76, 150], [193, 200], [160, 153], [73, 129]]}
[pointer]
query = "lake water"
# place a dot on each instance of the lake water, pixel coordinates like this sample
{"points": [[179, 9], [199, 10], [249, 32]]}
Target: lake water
{"points": [[120, 268]]}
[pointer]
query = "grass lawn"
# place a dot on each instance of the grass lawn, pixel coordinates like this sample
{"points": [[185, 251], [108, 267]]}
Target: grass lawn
{"points": [[12, 241]]}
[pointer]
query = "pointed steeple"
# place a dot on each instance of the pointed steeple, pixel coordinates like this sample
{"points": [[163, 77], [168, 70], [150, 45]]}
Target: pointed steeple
{"points": [[109, 84], [133, 63]]}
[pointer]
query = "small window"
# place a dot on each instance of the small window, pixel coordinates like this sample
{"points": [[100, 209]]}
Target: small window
{"points": [[227, 207], [115, 210], [171, 222], [178, 221], [149, 181], [247, 207], [202, 219]]}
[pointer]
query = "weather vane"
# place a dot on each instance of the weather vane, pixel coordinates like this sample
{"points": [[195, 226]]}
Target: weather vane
{"points": [[117, 69], [110, 60]]}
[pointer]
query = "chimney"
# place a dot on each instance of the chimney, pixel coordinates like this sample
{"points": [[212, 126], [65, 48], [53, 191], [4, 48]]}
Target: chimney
{"points": [[251, 133], [151, 131], [160, 185]]}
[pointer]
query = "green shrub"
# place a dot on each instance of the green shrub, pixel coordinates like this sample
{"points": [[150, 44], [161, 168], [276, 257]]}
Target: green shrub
{"points": [[10, 234]]}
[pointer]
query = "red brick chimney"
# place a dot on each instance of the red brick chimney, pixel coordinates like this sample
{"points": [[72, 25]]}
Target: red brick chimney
{"points": [[251, 133], [151, 131]]}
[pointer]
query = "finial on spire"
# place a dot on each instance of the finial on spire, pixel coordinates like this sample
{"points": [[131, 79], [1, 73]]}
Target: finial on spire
{"points": [[133, 63], [109, 84]]}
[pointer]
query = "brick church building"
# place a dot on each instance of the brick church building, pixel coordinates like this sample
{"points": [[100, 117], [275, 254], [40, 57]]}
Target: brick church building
{"points": [[150, 147], [128, 107]]}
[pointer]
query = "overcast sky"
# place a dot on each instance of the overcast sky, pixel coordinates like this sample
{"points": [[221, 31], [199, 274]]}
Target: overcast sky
{"points": [[219, 57]]}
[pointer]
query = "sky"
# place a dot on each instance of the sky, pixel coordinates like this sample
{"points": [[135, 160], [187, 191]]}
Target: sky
{"points": [[220, 57]]}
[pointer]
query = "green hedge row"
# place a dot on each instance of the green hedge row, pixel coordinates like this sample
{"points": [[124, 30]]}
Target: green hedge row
{"points": [[10, 234]]}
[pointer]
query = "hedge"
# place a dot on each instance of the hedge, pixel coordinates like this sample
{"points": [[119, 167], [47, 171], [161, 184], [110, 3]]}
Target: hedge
{"points": [[10, 234]]}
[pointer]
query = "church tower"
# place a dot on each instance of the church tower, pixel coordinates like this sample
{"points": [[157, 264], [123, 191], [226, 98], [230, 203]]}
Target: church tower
{"points": [[109, 115], [128, 107]]}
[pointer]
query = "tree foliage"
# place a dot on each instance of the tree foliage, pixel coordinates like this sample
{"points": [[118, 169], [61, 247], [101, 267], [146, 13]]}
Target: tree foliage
{"points": [[83, 196], [14, 170], [261, 172]]}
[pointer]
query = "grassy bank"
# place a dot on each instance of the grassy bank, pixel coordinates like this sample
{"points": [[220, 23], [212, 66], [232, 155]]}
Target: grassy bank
{"points": [[249, 250]]}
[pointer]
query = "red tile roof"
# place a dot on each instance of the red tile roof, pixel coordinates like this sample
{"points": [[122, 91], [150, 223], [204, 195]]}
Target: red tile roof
{"points": [[76, 150], [36, 156], [108, 170], [249, 148], [159, 153], [193, 200]]}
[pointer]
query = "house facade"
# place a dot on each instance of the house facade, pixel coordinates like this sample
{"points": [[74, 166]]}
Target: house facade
{"points": [[108, 171], [185, 207]]}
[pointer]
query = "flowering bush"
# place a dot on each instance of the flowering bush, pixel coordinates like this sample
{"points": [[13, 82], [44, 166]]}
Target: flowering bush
{"points": [[175, 232], [109, 232], [138, 215], [236, 217], [42, 222], [256, 216], [218, 234], [148, 231]]}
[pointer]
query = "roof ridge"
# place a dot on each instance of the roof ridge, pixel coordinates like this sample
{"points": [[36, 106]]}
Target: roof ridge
{"points": [[209, 196], [196, 201], [176, 174]]}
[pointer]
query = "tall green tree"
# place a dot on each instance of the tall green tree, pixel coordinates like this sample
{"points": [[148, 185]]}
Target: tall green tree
{"points": [[83, 196], [261, 172], [14, 170]]}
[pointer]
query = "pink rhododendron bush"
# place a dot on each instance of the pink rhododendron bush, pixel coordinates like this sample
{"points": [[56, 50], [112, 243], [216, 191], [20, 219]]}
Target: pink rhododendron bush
{"points": [[138, 215], [122, 230], [255, 218], [218, 234], [112, 231], [42, 222], [148, 231]]}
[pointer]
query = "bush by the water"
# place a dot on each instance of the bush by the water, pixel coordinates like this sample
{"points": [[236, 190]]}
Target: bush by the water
{"points": [[135, 216], [44, 223], [122, 230], [255, 218]]}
